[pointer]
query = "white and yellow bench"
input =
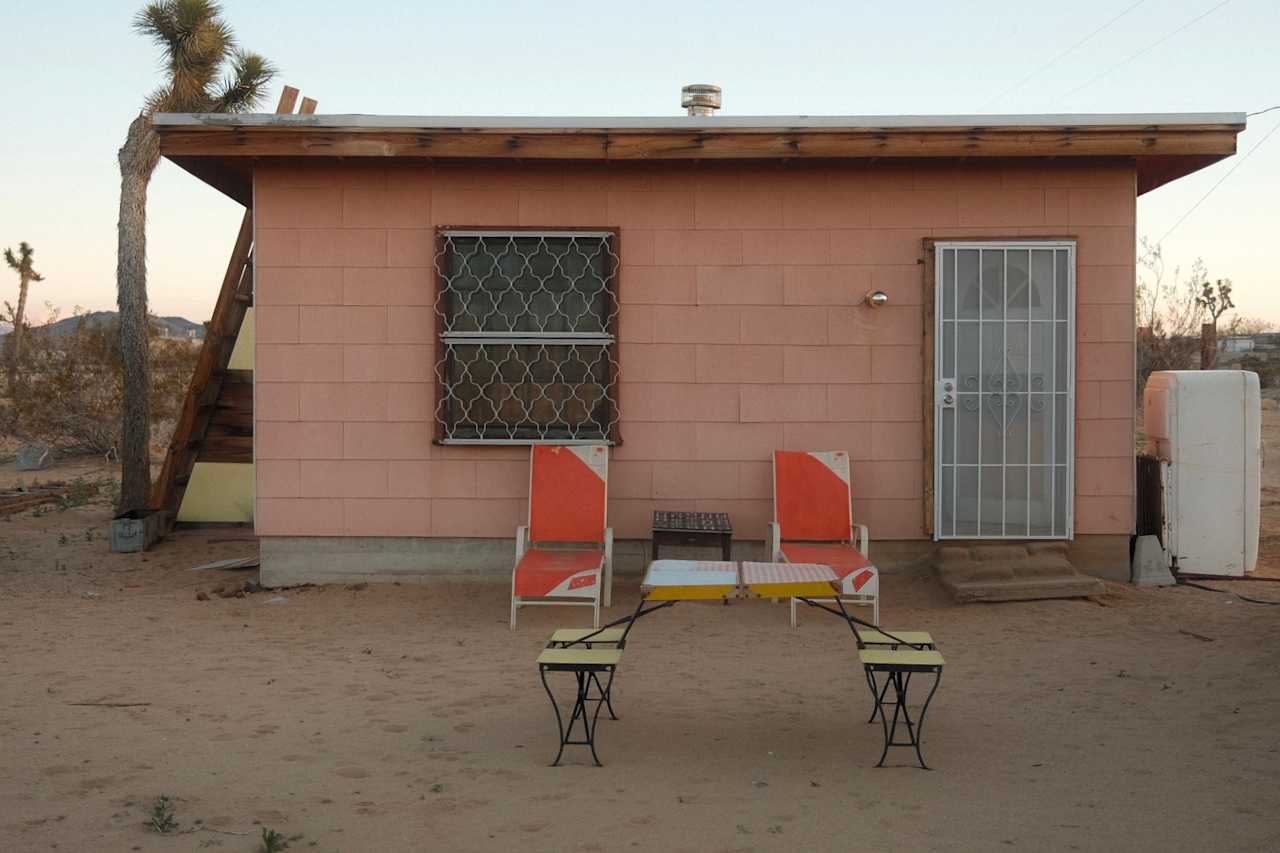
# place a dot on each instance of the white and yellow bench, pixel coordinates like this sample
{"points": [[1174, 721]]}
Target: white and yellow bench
{"points": [[588, 653], [898, 665]]}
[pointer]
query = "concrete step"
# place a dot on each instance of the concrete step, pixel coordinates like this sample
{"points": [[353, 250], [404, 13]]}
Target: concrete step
{"points": [[1012, 572]]}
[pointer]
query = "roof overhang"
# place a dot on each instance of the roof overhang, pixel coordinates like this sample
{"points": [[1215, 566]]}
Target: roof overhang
{"points": [[222, 149]]}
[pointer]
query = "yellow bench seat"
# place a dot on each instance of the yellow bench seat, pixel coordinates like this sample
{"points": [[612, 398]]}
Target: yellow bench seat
{"points": [[911, 638], [606, 636], [578, 657], [901, 658]]}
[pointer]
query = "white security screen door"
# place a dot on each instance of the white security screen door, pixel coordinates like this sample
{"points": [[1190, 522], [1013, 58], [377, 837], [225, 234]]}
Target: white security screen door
{"points": [[1004, 408]]}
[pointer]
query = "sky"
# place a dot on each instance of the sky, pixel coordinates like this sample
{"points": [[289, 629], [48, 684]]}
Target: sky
{"points": [[73, 75]]}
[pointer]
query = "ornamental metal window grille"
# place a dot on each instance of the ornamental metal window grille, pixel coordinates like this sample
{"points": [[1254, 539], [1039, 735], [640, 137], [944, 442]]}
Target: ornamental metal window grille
{"points": [[527, 323]]}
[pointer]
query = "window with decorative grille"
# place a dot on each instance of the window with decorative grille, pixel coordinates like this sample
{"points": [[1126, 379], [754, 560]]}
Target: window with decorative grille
{"points": [[527, 324]]}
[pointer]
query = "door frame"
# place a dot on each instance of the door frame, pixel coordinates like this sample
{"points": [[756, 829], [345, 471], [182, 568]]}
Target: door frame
{"points": [[930, 355]]}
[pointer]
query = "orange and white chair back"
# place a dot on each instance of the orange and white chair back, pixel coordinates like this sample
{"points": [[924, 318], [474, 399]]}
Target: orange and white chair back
{"points": [[568, 487], [813, 523]]}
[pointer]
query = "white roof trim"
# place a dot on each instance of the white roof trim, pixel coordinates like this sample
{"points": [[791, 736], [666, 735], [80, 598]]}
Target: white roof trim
{"points": [[605, 123]]}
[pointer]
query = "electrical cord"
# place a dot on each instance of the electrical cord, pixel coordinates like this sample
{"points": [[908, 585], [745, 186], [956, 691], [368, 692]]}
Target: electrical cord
{"points": [[1229, 592], [1145, 50], [1062, 55], [1219, 182]]}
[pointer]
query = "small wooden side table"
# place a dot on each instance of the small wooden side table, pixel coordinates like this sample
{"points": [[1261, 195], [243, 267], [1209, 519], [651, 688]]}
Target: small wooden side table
{"points": [[692, 528]]}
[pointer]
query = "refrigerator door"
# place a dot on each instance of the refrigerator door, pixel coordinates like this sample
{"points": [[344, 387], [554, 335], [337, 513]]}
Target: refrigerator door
{"points": [[1207, 424]]}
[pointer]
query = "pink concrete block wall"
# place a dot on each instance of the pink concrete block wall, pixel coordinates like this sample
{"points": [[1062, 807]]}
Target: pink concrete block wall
{"points": [[740, 333]]}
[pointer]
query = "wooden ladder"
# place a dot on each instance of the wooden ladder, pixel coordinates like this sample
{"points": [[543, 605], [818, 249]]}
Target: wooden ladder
{"points": [[216, 422]]}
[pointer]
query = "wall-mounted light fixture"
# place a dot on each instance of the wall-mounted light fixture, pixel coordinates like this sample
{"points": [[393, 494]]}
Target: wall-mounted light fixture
{"points": [[876, 298]]}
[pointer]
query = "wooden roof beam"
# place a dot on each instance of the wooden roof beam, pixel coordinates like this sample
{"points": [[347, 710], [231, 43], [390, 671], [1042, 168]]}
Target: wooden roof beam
{"points": [[184, 143]]}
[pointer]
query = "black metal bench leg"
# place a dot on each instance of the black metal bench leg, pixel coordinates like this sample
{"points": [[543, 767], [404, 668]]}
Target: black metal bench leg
{"points": [[889, 730], [606, 693], [901, 683], [559, 719], [905, 681], [580, 710], [595, 721], [877, 696], [583, 684], [937, 679], [583, 679]]}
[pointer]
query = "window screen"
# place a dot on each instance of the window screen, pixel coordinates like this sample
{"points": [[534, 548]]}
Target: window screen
{"points": [[527, 333]]}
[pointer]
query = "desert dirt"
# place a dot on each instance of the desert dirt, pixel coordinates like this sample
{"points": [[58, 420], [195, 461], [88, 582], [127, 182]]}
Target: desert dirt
{"points": [[390, 718]]}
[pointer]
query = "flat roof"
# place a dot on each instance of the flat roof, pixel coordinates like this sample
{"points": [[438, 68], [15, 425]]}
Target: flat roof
{"points": [[897, 122], [222, 149]]}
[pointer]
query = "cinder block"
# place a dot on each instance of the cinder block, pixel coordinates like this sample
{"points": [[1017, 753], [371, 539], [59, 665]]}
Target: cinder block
{"points": [[797, 247], [745, 209], [1150, 566]]}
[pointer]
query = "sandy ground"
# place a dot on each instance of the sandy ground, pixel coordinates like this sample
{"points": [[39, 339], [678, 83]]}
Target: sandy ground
{"points": [[409, 718]]}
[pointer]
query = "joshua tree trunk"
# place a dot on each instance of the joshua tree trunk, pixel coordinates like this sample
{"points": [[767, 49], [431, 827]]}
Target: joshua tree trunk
{"points": [[138, 159], [15, 351]]}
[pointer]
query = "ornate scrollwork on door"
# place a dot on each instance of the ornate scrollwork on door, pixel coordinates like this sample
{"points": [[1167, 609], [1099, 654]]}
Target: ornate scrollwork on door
{"points": [[1003, 393]]}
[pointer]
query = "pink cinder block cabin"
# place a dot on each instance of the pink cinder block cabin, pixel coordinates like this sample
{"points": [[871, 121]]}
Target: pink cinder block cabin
{"points": [[949, 299]]}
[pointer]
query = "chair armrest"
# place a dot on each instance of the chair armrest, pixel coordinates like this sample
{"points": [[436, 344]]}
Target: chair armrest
{"points": [[608, 567], [774, 542], [522, 534], [864, 539]]}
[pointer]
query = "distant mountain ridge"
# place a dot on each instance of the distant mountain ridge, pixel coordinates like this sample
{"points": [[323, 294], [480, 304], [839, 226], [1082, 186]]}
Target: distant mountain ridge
{"points": [[169, 327]]}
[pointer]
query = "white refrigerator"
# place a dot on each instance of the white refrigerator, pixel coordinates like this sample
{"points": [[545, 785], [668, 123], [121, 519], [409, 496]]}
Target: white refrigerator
{"points": [[1205, 426]]}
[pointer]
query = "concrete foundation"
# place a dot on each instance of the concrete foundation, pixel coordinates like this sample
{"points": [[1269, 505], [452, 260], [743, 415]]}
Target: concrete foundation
{"points": [[1105, 557], [293, 560]]}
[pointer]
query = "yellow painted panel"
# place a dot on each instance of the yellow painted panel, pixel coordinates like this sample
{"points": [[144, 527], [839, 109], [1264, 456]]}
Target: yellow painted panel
{"points": [[242, 354], [219, 491], [808, 589], [690, 593]]}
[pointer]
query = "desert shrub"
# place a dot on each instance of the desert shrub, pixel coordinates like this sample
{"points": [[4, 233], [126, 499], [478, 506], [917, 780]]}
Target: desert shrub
{"points": [[1245, 325], [68, 390], [1268, 371], [162, 819], [1168, 315]]}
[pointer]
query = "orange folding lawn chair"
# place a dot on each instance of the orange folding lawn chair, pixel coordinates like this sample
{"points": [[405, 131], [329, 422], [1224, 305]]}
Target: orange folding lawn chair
{"points": [[813, 523], [564, 555]]}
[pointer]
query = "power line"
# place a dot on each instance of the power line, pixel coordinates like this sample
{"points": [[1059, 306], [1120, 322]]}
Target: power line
{"points": [[1062, 55], [1260, 112], [1145, 50], [1220, 181]]}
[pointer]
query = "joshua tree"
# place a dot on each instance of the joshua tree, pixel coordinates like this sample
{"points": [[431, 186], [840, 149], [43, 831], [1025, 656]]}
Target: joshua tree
{"points": [[21, 264], [1215, 301], [205, 72]]}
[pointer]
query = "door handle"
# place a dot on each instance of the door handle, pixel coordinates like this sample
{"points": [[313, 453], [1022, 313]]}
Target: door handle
{"points": [[947, 393]]}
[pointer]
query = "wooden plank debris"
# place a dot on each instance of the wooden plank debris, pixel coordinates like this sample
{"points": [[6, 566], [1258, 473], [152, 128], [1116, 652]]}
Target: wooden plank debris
{"points": [[29, 497], [229, 565]]}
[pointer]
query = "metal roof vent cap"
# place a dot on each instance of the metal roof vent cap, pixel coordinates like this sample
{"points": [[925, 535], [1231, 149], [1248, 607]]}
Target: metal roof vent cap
{"points": [[700, 99]]}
